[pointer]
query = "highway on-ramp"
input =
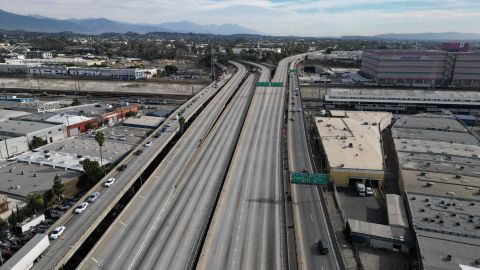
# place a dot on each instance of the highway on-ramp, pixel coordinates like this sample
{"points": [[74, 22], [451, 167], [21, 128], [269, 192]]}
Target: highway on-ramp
{"points": [[248, 227], [309, 218], [164, 224]]}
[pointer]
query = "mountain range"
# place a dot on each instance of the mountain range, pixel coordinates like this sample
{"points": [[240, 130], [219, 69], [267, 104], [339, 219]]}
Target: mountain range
{"points": [[37, 23]]}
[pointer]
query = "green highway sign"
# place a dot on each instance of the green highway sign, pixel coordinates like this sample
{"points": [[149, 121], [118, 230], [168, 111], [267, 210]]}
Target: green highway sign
{"points": [[294, 70], [308, 178], [270, 84], [318, 178], [299, 178]]}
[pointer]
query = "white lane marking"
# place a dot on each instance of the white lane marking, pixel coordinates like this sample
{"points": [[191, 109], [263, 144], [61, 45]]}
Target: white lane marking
{"points": [[122, 223], [93, 259], [141, 196], [311, 217], [142, 246]]}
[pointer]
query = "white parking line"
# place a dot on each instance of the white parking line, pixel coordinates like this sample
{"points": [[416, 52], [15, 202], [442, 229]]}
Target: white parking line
{"points": [[93, 259]]}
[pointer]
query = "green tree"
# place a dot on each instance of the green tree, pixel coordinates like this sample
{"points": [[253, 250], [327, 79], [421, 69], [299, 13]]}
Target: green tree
{"points": [[100, 139], [171, 69], [36, 202], [58, 187], [130, 114], [181, 121], [93, 171], [76, 102], [37, 142]]}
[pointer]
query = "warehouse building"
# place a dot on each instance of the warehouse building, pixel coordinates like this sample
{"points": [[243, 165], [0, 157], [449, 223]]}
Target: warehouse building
{"points": [[447, 231], [422, 68], [351, 143], [436, 155], [48, 132], [380, 236], [404, 102]]}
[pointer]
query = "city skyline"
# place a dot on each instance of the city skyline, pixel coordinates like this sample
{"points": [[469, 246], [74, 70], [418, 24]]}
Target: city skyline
{"points": [[276, 17]]}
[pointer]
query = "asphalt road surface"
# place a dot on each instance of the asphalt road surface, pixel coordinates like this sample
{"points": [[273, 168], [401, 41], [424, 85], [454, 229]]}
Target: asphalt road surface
{"points": [[163, 225], [78, 227], [309, 218], [248, 228]]}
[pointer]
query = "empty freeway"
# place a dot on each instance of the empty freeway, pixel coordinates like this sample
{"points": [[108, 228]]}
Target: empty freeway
{"points": [[163, 226], [248, 228], [79, 227]]}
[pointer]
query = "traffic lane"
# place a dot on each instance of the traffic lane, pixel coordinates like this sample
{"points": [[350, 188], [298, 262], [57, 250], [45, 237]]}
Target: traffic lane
{"points": [[313, 226], [178, 164], [73, 237], [174, 246]]}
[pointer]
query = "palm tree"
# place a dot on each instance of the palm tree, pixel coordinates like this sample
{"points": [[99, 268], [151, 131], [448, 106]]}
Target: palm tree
{"points": [[100, 139]]}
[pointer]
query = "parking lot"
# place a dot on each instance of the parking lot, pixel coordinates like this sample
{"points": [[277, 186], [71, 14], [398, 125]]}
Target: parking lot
{"points": [[371, 208]]}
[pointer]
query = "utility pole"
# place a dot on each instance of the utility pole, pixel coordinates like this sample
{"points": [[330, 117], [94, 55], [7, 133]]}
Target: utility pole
{"points": [[213, 61]]}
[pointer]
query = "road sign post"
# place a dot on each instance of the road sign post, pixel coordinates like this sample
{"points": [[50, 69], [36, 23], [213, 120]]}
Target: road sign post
{"points": [[308, 178]]}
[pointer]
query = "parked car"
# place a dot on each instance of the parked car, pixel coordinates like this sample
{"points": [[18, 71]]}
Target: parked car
{"points": [[157, 135], [323, 250], [93, 197], [109, 182], [369, 191], [148, 144], [139, 152], [81, 207], [57, 232]]}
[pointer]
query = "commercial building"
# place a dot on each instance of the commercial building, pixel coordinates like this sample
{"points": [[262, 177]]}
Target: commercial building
{"points": [[75, 124], [47, 132], [404, 102], [380, 236], [9, 114], [38, 55], [143, 121], [436, 155], [422, 68], [447, 230], [12, 146], [351, 143]]}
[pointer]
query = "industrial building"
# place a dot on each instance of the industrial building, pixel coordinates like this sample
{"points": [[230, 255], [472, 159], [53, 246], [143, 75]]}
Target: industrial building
{"points": [[144, 121], [422, 68], [380, 236], [39, 55], [404, 102], [447, 230], [48, 132], [37, 69], [436, 155], [351, 143]]}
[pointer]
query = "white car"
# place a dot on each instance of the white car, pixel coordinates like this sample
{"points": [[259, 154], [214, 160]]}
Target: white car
{"points": [[369, 191], [148, 144], [81, 207], [93, 197], [57, 232], [109, 182]]}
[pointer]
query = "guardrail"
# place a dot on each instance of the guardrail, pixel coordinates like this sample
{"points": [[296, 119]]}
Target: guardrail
{"points": [[98, 186]]}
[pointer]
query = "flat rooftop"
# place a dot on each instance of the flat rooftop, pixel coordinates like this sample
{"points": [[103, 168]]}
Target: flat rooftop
{"points": [[446, 226], [404, 96], [352, 141], [434, 135], [430, 122], [22, 184], [7, 114], [23, 127], [147, 121], [379, 230]]}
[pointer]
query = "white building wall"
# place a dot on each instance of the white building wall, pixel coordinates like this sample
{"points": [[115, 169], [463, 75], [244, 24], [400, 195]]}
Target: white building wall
{"points": [[15, 146]]}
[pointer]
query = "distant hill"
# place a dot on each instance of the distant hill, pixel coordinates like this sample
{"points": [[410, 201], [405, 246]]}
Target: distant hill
{"points": [[447, 36], [38, 23]]}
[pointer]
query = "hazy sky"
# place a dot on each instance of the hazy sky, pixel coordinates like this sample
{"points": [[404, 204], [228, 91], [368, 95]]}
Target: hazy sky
{"points": [[276, 17]]}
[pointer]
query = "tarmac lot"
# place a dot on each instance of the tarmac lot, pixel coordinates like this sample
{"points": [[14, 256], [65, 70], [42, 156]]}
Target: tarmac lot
{"points": [[104, 86], [22, 184], [370, 209]]}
